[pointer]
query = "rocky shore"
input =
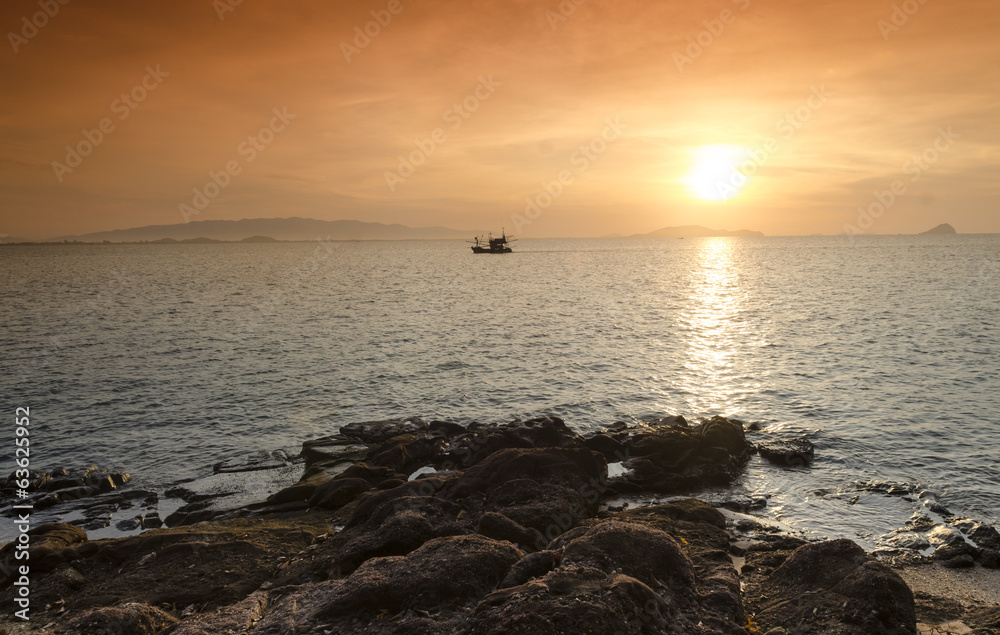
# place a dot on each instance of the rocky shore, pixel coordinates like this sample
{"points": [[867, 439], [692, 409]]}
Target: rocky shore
{"points": [[408, 526]]}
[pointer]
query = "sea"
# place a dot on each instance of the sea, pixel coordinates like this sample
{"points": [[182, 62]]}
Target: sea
{"points": [[165, 360]]}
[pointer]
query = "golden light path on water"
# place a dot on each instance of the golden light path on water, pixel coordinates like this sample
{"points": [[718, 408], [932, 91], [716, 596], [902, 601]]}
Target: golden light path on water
{"points": [[714, 336]]}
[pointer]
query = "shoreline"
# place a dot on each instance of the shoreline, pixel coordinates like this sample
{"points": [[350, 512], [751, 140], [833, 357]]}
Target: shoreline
{"points": [[530, 513]]}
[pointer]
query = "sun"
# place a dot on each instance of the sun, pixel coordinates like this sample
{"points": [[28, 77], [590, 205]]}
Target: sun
{"points": [[715, 174]]}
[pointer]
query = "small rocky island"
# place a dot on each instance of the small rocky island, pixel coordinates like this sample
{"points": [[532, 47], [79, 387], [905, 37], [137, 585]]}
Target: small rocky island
{"points": [[943, 228], [408, 526]]}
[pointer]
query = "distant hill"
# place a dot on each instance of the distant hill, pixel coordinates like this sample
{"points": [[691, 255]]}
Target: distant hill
{"points": [[943, 228], [259, 239], [694, 231], [256, 229]]}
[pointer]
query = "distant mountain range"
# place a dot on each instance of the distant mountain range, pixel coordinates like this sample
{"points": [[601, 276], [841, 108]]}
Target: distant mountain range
{"points": [[694, 231], [262, 229]]}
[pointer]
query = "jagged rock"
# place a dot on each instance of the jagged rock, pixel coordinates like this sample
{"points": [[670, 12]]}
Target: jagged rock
{"points": [[788, 452], [681, 457], [985, 537], [615, 576], [834, 587], [547, 489]]}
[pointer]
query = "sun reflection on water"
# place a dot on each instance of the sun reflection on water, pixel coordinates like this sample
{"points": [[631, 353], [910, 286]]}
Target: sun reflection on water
{"points": [[712, 331]]}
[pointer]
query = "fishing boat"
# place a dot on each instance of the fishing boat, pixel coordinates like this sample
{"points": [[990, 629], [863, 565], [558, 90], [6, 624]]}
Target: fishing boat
{"points": [[492, 245]]}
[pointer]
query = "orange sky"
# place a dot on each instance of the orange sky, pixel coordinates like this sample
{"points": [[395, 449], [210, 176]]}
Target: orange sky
{"points": [[541, 79]]}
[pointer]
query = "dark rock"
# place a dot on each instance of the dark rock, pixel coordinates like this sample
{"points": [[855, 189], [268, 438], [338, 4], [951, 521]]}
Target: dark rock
{"points": [[180, 492], [985, 537], [261, 460], [617, 575], [989, 558], [677, 458], [533, 565], [546, 489], [151, 521], [129, 524], [445, 428], [130, 619], [479, 442], [612, 449], [377, 432], [501, 527], [834, 587], [407, 452], [958, 562], [338, 492], [635, 550], [397, 527], [955, 550], [443, 571], [50, 547], [787, 452], [579, 600]]}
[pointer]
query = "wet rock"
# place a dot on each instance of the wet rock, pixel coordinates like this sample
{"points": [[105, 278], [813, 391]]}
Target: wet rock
{"points": [[130, 524], [377, 432], [681, 457], [612, 449], [985, 537], [947, 552], [130, 619], [260, 460], [151, 521], [480, 442], [945, 536], [908, 540], [834, 587], [787, 452], [182, 493]]}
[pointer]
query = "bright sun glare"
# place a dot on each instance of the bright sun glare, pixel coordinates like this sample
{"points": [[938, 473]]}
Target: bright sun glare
{"points": [[714, 175]]}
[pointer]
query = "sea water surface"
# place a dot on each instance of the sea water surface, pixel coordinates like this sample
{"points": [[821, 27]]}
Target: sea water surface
{"points": [[161, 360]]}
